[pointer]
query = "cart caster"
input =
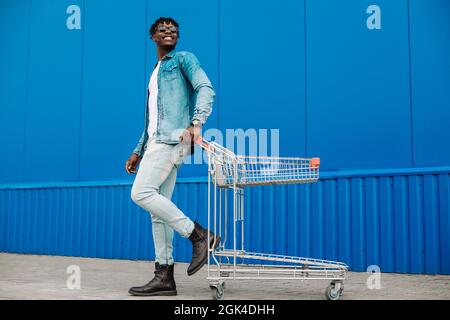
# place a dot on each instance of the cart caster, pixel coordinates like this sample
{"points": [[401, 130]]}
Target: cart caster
{"points": [[218, 291], [334, 290]]}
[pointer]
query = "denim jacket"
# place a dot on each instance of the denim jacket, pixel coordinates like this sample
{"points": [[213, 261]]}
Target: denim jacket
{"points": [[185, 94]]}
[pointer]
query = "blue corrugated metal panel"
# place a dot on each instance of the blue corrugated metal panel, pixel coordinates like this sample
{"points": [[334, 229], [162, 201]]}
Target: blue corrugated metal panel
{"points": [[386, 206], [400, 222], [444, 222]]}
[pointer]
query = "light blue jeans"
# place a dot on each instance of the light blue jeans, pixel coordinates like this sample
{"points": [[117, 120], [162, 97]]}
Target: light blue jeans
{"points": [[152, 190]]}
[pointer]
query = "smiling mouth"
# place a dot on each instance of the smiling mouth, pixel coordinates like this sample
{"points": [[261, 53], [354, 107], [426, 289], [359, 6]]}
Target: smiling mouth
{"points": [[167, 38]]}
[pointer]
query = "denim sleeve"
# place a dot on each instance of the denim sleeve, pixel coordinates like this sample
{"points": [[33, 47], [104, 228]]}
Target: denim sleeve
{"points": [[138, 149], [205, 93]]}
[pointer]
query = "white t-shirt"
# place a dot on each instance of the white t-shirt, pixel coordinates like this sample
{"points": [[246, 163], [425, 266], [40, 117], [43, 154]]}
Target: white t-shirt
{"points": [[153, 102]]}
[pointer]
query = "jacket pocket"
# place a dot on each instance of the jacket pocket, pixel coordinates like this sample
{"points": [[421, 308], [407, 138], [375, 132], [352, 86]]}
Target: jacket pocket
{"points": [[170, 72], [179, 152]]}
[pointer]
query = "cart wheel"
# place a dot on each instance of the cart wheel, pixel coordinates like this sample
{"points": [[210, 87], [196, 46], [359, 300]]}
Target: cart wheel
{"points": [[218, 292], [332, 293]]}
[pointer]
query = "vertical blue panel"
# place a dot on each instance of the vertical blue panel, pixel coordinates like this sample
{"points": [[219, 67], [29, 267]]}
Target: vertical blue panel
{"points": [[107, 222], [78, 223], [270, 218], [430, 71], [387, 244], [46, 228], [40, 222], [192, 16], [444, 221], [330, 222], [3, 224], [54, 221], [306, 232], [55, 217], [293, 219], [53, 108], [73, 220], [257, 220], [32, 235], [401, 222], [9, 223], [120, 218], [358, 225], [125, 224], [267, 219], [3, 221], [249, 214], [258, 213], [358, 102], [416, 224], [431, 223], [345, 221], [62, 220], [101, 223], [21, 219], [28, 222], [317, 221], [14, 36], [281, 218], [262, 69], [110, 216], [113, 81], [84, 214], [134, 216], [372, 221]]}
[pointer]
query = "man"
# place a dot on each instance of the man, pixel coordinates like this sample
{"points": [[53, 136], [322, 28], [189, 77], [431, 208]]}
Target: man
{"points": [[179, 101]]}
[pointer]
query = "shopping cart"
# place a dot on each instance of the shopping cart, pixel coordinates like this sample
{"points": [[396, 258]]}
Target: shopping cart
{"points": [[228, 174]]}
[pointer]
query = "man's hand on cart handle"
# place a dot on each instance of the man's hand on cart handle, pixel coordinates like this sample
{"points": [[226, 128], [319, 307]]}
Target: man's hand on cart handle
{"points": [[191, 134]]}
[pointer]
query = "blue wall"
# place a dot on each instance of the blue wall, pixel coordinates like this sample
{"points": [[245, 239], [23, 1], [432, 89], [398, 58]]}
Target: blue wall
{"points": [[72, 101], [368, 102], [399, 221]]}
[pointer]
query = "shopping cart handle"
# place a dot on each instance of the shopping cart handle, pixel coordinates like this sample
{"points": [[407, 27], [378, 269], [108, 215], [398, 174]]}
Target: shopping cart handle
{"points": [[204, 144], [199, 140], [314, 162]]}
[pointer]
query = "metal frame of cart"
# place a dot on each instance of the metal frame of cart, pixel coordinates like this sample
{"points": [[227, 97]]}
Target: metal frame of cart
{"points": [[230, 174]]}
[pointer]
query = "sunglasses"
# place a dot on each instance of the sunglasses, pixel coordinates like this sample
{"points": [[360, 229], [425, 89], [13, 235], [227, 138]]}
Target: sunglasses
{"points": [[164, 29]]}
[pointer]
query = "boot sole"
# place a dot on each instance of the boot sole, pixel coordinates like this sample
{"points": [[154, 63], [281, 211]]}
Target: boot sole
{"points": [[217, 240], [154, 294]]}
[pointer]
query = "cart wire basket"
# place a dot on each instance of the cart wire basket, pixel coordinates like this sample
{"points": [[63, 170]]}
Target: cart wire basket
{"points": [[228, 175]]}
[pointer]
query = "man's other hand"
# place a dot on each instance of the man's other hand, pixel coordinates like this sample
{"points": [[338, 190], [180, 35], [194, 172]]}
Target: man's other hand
{"points": [[132, 163]]}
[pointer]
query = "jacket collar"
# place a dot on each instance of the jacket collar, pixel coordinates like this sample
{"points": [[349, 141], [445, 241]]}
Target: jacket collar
{"points": [[168, 55]]}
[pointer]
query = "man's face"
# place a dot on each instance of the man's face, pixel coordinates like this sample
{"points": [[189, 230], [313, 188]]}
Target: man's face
{"points": [[166, 35]]}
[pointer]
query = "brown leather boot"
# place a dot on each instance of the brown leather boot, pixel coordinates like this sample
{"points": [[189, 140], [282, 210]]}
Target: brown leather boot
{"points": [[200, 239], [163, 284]]}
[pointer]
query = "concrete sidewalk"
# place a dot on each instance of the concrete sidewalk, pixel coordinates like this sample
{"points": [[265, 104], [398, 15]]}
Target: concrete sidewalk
{"points": [[45, 277]]}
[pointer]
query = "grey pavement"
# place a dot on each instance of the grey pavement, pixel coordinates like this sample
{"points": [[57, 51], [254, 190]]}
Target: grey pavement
{"points": [[45, 277]]}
